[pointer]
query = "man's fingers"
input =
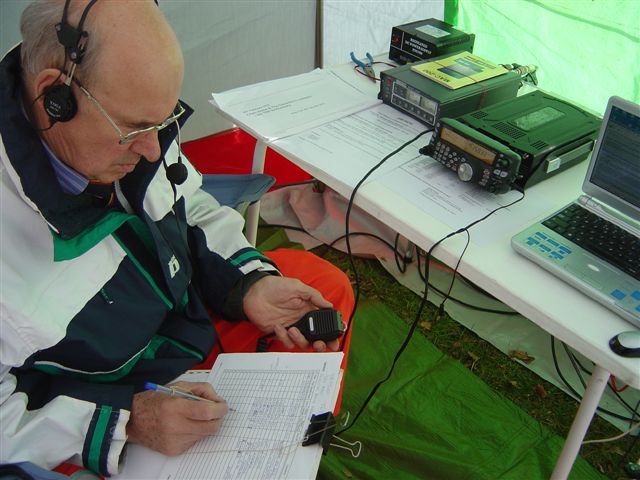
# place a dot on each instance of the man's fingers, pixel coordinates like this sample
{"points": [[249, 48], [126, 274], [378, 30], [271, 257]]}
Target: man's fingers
{"points": [[319, 346], [318, 300], [333, 345], [298, 338], [199, 389], [283, 335], [203, 410]]}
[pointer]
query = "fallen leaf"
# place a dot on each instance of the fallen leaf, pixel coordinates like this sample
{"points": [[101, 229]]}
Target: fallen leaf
{"points": [[347, 473], [540, 391], [514, 383], [425, 325], [475, 359], [618, 451], [521, 355]]}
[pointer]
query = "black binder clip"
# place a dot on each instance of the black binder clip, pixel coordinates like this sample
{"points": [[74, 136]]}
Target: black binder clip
{"points": [[321, 428]]}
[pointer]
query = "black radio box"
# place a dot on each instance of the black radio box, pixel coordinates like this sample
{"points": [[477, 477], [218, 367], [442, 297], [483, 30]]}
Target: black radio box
{"points": [[518, 142], [425, 39], [427, 101]]}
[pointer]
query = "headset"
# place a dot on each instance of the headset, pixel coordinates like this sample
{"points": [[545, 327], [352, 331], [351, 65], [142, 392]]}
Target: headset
{"points": [[60, 103]]}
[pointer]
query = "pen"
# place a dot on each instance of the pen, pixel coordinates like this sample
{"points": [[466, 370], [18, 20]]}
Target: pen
{"points": [[180, 393]]}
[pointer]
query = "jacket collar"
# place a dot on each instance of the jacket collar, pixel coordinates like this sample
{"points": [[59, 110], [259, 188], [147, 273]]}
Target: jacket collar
{"points": [[69, 215]]}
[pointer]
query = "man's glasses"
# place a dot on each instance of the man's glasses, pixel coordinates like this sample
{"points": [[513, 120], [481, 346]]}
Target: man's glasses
{"points": [[131, 136]]}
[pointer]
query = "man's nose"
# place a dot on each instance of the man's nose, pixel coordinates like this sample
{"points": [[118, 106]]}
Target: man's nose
{"points": [[147, 146]]}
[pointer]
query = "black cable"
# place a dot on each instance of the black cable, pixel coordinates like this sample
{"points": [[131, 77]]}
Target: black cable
{"points": [[347, 237], [397, 257], [456, 300], [623, 460], [404, 344], [455, 273], [357, 280], [398, 254], [575, 367], [356, 68], [423, 302], [330, 245], [575, 362], [277, 225], [571, 389]]}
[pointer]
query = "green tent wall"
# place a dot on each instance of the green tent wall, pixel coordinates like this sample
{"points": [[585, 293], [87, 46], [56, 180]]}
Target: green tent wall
{"points": [[585, 50]]}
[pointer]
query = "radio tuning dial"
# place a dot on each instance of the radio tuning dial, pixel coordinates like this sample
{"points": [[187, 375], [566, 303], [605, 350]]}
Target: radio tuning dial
{"points": [[465, 172]]}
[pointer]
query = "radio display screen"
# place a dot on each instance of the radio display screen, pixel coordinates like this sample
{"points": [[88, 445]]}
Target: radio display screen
{"points": [[467, 145]]}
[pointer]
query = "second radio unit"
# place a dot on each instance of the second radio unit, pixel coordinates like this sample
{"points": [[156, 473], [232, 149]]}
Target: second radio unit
{"points": [[516, 143]]}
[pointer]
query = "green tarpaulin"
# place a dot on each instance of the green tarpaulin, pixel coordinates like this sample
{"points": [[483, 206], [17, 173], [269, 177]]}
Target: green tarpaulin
{"points": [[433, 419]]}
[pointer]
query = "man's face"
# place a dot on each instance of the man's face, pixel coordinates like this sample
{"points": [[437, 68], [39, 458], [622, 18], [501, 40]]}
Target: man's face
{"points": [[90, 144], [136, 88]]}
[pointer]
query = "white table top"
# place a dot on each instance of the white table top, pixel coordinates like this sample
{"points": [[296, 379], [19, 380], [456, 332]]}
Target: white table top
{"points": [[555, 306], [558, 308]]}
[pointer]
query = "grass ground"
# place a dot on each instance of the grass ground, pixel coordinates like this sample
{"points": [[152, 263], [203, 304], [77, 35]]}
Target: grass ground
{"points": [[542, 400]]}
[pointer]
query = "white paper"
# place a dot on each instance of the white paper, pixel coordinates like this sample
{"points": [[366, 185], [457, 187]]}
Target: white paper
{"points": [[273, 396], [438, 190], [287, 106], [346, 149]]}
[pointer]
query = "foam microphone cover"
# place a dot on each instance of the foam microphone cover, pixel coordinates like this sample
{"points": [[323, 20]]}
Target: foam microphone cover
{"points": [[177, 173]]}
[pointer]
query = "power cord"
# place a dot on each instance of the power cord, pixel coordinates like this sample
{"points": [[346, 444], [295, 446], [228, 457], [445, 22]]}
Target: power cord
{"points": [[575, 393], [632, 469], [423, 302], [347, 236], [458, 301], [610, 384], [405, 261]]}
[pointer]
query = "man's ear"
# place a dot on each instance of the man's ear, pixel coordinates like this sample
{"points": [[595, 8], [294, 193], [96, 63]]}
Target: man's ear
{"points": [[45, 79]]}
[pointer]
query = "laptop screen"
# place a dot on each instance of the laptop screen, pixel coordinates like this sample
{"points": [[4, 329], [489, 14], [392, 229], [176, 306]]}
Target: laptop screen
{"points": [[615, 168]]}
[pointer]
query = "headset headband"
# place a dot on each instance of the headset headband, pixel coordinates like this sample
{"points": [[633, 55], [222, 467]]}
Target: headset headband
{"points": [[71, 38]]}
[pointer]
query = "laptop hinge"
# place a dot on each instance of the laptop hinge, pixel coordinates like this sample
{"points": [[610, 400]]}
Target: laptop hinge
{"points": [[617, 218]]}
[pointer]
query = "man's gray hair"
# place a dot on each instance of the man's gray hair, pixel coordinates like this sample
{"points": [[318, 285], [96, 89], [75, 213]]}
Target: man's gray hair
{"points": [[40, 46]]}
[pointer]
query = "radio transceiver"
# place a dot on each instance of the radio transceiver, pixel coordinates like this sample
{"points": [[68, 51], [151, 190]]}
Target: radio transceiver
{"points": [[427, 101], [515, 143]]}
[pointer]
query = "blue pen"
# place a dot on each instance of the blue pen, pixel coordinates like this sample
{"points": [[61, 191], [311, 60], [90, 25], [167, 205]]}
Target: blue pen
{"points": [[180, 393]]}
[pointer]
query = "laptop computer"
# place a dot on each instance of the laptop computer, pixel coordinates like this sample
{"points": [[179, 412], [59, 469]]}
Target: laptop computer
{"points": [[594, 243]]}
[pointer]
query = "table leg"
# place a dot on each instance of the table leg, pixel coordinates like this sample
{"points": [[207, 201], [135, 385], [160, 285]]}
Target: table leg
{"points": [[587, 409], [253, 212]]}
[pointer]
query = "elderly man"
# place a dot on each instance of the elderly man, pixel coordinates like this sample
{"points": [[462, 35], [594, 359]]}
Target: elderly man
{"points": [[112, 259]]}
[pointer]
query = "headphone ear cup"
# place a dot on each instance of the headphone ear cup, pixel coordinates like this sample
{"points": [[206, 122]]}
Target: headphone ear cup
{"points": [[60, 103]]}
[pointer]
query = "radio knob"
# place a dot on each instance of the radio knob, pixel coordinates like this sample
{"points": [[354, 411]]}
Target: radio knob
{"points": [[465, 172]]}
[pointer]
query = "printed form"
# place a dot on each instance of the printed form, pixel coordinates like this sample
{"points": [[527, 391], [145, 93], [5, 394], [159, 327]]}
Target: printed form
{"points": [[273, 396], [347, 148], [279, 108]]}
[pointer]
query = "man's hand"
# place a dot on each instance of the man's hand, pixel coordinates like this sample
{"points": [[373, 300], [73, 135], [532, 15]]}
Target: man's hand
{"points": [[171, 424], [272, 303]]}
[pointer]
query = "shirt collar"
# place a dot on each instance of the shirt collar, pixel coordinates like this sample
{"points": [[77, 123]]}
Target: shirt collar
{"points": [[69, 179]]}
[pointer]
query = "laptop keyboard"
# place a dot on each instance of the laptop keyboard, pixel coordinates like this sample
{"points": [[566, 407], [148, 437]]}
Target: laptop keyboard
{"points": [[598, 236]]}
